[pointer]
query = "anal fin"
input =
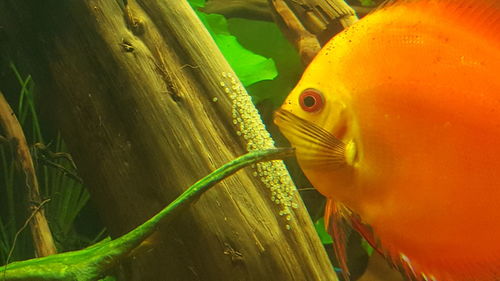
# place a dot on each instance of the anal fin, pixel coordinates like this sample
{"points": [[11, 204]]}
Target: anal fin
{"points": [[337, 225]]}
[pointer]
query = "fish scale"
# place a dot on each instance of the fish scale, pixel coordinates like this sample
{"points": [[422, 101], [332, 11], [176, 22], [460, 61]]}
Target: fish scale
{"points": [[416, 87]]}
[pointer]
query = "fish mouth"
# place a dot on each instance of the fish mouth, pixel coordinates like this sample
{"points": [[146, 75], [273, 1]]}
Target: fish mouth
{"points": [[315, 147]]}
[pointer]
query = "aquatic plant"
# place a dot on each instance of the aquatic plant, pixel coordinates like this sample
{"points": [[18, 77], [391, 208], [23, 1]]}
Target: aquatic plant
{"points": [[94, 262], [56, 176]]}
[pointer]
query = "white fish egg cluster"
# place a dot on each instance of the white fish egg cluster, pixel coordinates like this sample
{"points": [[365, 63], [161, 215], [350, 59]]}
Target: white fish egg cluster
{"points": [[250, 127]]}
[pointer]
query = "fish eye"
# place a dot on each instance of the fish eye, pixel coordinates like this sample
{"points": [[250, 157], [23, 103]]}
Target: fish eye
{"points": [[311, 100]]}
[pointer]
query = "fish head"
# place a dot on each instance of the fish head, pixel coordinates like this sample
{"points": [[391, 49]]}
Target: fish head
{"points": [[320, 101], [319, 124]]}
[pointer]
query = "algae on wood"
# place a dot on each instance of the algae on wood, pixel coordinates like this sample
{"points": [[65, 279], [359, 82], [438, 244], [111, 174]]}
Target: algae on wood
{"points": [[140, 95]]}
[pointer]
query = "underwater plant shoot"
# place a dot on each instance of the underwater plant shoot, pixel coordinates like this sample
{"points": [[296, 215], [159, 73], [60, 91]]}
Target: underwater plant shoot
{"points": [[94, 262]]}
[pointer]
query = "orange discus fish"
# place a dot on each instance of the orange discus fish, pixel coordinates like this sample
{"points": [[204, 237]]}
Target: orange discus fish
{"points": [[397, 122]]}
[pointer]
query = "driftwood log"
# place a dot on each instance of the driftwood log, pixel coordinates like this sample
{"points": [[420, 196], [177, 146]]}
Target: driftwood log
{"points": [[148, 105], [309, 24]]}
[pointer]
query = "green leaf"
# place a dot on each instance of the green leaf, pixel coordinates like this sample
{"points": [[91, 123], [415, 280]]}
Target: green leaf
{"points": [[367, 3], [215, 23], [323, 235], [368, 248], [197, 3], [266, 39], [249, 67]]}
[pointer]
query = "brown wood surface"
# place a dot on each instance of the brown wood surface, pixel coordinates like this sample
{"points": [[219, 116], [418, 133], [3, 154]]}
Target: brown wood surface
{"points": [[309, 24], [324, 17], [250, 9], [43, 242], [139, 93]]}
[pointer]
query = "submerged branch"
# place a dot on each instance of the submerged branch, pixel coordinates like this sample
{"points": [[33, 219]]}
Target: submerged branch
{"points": [[42, 236], [309, 24]]}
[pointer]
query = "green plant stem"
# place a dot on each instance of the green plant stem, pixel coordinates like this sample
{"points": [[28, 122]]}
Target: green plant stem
{"points": [[93, 262]]}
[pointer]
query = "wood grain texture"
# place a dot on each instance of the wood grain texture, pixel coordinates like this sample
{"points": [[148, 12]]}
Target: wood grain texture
{"points": [[309, 24], [136, 92], [43, 242]]}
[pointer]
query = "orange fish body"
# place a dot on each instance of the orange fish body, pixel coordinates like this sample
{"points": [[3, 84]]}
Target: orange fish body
{"points": [[415, 89]]}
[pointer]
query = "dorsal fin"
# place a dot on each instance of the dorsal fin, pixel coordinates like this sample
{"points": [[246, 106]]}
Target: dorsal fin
{"points": [[467, 4], [480, 16]]}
